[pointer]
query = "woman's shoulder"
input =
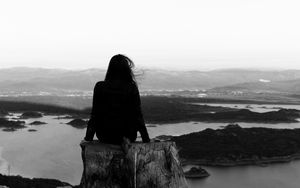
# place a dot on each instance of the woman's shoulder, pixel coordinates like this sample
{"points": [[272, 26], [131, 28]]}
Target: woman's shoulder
{"points": [[99, 83], [99, 86]]}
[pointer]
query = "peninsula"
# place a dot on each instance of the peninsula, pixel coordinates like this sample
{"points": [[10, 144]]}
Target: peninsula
{"points": [[233, 146]]}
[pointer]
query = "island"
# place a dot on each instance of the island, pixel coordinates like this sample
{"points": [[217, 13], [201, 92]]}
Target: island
{"points": [[21, 182], [196, 172], [9, 125], [78, 123], [37, 123], [227, 116], [9, 129], [31, 114], [234, 145]]}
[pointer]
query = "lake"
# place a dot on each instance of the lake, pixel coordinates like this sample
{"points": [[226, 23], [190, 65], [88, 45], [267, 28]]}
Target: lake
{"points": [[53, 152]]}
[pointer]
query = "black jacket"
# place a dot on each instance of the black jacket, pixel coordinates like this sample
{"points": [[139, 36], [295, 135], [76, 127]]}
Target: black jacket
{"points": [[116, 113]]}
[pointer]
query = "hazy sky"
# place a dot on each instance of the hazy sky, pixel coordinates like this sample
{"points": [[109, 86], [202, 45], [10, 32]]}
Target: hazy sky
{"points": [[176, 34]]}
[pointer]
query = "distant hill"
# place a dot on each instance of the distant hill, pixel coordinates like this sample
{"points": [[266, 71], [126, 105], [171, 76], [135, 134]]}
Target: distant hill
{"points": [[56, 80], [48, 80], [161, 79], [262, 86]]}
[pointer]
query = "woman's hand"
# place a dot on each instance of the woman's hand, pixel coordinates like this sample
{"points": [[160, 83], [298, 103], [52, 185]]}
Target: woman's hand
{"points": [[83, 142]]}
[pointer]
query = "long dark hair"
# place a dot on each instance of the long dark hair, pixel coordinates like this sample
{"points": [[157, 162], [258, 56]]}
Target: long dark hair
{"points": [[120, 68]]}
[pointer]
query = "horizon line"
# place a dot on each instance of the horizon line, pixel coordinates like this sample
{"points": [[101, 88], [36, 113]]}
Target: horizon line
{"points": [[156, 68]]}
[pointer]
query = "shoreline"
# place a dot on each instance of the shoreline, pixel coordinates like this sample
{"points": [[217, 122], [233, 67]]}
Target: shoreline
{"points": [[167, 110], [243, 162], [4, 165]]}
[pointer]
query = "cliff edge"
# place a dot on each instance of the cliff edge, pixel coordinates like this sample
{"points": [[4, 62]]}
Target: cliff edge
{"points": [[140, 165]]}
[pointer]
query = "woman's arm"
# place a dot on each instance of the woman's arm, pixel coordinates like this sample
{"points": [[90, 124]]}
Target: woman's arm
{"points": [[139, 115], [90, 131]]}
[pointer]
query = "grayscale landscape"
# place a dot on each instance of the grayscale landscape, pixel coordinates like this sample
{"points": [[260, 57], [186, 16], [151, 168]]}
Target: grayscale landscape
{"points": [[59, 107], [218, 82]]}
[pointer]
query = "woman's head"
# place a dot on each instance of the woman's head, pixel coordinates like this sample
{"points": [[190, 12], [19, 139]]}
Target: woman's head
{"points": [[120, 68]]}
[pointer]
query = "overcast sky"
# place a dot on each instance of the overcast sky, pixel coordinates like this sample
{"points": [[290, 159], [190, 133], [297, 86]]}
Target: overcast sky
{"points": [[172, 34]]}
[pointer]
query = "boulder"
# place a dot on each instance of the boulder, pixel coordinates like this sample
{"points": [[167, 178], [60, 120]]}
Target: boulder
{"points": [[135, 165]]}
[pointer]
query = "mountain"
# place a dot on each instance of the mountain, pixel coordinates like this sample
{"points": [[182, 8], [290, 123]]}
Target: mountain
{"points": [[48, 80], [262, 86], [162, 79], [23, 79]]}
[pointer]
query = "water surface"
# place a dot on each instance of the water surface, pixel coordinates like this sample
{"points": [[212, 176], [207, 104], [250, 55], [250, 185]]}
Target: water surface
{"points": [[53, 152]]}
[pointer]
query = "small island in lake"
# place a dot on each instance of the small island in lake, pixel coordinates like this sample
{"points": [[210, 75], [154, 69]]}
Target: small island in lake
{"points": [[10, 126], [37, 123], [196, 172], [10, 129], [234, 146], [31, 114], [78, 123]]}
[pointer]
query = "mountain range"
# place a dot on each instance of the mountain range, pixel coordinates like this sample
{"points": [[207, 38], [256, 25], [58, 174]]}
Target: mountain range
{"points": [[262, 86], [22, 79]]}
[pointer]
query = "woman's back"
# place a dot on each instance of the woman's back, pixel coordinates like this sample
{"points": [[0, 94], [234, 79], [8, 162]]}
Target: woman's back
{"points": [[113, 110], [113, 98]]}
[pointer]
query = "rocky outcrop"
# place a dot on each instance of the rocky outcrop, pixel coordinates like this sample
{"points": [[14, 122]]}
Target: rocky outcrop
{"points": [[137, 165]]}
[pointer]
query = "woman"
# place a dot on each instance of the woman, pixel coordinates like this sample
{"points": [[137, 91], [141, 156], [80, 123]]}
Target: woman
{"points": [[116, 112]]}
